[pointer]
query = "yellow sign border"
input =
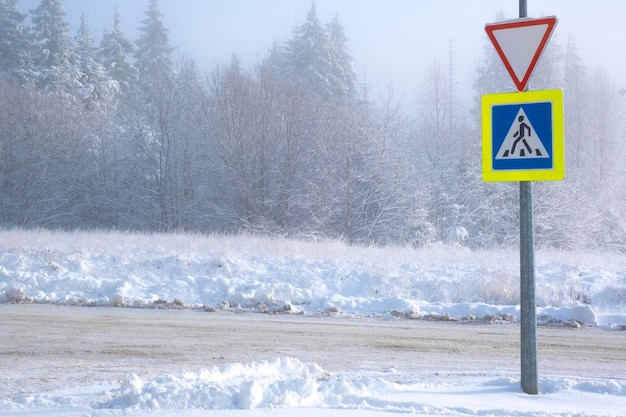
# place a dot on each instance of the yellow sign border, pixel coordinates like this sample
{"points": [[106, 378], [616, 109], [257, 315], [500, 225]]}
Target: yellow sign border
{"points": [[557, 172]]}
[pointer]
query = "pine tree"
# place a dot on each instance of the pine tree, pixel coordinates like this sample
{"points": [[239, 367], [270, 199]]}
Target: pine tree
{"points": [[114, 51], [155, 133], [308, 56], [94, 84], [14, 42], [317, 56], [153, 53], [54, 50], [85, 51], [344, 76], [274, 62]]}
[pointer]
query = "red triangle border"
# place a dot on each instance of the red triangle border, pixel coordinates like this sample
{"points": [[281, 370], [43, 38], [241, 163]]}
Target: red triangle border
{"points": [[551, 21]]}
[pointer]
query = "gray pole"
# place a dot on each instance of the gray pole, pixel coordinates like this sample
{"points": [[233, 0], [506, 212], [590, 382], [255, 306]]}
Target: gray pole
{"points": [[528, 320]]}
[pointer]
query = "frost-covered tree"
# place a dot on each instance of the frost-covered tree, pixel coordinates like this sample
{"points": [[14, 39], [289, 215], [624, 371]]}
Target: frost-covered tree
{"points": [[317, 57], [344, 77], [577, 124], [15, 42], [291, 164], [85, 51], [44, 168], [308, 56], [115, 50], [308, 52], [152, 116], [54, 50], [364, 179], [93, 86], [241, 118], [274, 62], [154, 53], [606, 150], [442, 148]]}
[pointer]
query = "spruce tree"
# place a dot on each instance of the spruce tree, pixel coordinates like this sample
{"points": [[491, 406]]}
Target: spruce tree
{"points": [[344, 77], [54, 51], [308, 56], [156, 119], [93, 83], [317, 55], [153, 53], [14, 42], [85, 51], [114, 51]]}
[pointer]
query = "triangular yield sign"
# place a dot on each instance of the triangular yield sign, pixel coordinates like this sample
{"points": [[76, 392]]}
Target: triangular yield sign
{"points": [[520, 44]]}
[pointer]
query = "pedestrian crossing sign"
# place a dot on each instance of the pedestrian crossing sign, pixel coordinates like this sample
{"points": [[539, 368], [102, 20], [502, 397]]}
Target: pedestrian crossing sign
{"points": [[523, 136]]}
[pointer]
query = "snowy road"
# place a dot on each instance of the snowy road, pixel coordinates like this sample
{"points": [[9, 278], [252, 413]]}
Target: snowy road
{"points": [[45, 347]]}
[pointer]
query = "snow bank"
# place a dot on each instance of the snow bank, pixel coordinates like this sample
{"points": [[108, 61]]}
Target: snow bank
{"points": [[286, 383], [281, 276], [282, 382], [289, 383]]}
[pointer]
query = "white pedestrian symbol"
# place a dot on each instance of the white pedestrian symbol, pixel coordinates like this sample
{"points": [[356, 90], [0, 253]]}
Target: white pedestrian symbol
{"points": [[521, 141]]}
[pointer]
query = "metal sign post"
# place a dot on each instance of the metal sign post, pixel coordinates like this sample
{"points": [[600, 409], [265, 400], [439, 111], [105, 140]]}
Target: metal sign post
{"points": [[528, 320], [528, 311]]}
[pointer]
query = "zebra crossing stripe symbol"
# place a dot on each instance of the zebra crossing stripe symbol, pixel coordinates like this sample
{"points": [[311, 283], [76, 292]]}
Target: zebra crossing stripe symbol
{"points": [[522, 141]]}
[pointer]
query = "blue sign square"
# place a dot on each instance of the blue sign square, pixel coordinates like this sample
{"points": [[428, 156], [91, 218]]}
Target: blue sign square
{"points": [[519, 125]]}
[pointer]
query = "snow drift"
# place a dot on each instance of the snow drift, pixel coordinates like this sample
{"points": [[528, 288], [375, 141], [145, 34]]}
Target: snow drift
{"points": [[289, 384], [270, 275]]}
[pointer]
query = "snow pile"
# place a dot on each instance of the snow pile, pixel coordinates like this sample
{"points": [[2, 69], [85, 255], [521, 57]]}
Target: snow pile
{"points": [[281, 276], [289, 384], [281, 383]]}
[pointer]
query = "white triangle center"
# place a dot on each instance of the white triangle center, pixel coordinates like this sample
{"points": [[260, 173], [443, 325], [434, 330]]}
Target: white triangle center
{"points": [[520, 45], [521, 141]]}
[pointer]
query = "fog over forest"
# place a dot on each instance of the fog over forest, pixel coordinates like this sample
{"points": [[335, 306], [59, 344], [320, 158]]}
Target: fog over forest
{"points": [[114, 132]]}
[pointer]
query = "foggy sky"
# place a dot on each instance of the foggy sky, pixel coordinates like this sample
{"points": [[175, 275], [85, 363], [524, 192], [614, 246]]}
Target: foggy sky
{"points": [[390, 40]]}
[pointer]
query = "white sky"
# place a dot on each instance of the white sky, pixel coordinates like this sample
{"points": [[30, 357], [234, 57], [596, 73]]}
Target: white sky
{"points": [[390, 40]]}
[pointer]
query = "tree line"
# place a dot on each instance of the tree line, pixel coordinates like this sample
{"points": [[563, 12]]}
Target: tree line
{"points": [[124, 135]]}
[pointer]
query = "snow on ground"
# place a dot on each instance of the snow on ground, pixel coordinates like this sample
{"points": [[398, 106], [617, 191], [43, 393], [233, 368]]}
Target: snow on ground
{"points": [[277, 275], [292, 277], [286, 387]]}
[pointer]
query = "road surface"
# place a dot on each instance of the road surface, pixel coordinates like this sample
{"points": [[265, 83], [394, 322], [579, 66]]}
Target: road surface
{"points": [[47, 347]]}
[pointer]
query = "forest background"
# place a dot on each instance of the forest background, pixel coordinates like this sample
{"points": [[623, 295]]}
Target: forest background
{"points": [[128, 135]]}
